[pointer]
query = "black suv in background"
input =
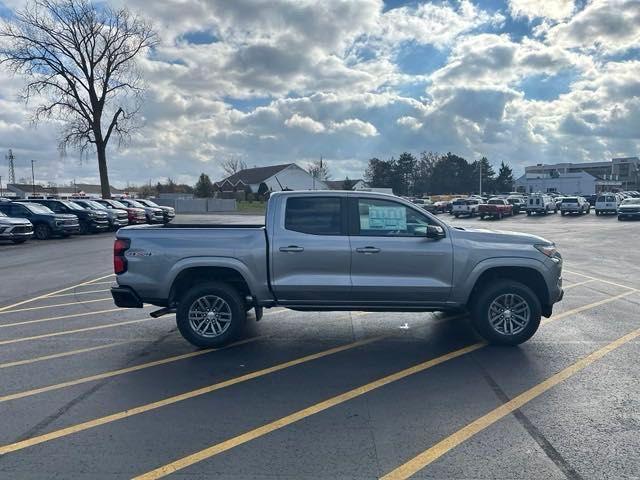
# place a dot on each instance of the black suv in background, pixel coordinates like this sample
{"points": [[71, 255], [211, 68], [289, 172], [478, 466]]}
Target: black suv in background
{"points": [[45, 222], [90, 220]]}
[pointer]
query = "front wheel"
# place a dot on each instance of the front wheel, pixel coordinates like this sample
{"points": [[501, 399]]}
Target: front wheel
{"points": [[211, 315], [42, 231], [84, 228], [506, 313]]}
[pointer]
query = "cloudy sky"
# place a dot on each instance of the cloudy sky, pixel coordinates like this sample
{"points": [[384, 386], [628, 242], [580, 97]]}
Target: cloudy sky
{"points": [[275, 81]]}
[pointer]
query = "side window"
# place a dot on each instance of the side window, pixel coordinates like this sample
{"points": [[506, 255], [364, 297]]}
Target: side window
{"points": [[314, 215], [55, 206], [20, 211], [390, 219]]}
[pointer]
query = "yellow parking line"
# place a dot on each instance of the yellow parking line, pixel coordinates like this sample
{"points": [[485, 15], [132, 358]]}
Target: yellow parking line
{"points": [[567, 287], [312, 410], [301, 414], [427, 457], [586, 307], [177, 398], [77, 330], [49, 319], [54, 306], [7, 307], [121, 371], [62, 354], [77, 293], [600, 280]]}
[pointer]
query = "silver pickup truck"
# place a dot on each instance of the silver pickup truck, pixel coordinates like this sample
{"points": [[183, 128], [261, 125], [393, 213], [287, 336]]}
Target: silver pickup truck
{"points": [[329, 251]]}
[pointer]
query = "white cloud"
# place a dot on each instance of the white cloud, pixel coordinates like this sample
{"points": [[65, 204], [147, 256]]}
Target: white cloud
{"points": [[356, 127], [410, 122], [430, 23], [305, 123], [551, 9], [605, 25]]}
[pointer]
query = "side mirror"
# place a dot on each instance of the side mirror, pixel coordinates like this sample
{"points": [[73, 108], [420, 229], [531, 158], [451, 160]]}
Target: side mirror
{"points": [[435, 231]]}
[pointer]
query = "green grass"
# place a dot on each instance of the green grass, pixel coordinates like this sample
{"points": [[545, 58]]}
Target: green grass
{"points": [[257, 208]]}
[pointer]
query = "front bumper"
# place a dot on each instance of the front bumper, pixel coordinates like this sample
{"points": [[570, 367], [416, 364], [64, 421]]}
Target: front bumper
{"points": [[623, 214], [125, 297], [66, 229]]}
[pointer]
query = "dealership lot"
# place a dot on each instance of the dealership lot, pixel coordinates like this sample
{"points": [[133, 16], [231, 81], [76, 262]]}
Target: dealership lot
{"points": [[91, 391]]}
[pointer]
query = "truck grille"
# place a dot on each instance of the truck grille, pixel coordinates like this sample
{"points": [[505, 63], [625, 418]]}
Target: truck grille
{"points": [[23, 229]]}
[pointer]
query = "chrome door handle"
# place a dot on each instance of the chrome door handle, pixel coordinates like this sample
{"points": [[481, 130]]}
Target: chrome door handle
{"points": [[367, 250], [291, 249]]}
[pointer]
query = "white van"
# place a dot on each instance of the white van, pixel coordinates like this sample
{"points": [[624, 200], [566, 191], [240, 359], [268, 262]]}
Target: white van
{"points": [[541, 203], [607, 203]]}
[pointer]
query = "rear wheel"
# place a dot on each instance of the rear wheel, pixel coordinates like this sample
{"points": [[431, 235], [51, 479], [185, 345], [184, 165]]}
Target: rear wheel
{"points": [[481, 216], [506, 313], [211, 315], [42, 231]]}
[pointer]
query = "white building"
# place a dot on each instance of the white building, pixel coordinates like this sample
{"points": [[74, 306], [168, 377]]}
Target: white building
{"points": [[272, 178], [624, 169], [578, 183]]}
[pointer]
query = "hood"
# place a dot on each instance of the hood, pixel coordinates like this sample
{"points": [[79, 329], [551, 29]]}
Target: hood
{"points": [[14, 221], [167, 209], [498, 236]]}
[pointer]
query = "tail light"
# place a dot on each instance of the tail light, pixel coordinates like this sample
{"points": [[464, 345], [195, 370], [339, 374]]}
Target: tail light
{"points": [[120, 246]]}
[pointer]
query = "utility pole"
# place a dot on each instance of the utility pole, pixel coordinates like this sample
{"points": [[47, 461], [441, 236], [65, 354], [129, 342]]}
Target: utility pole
{"points": [[480, 162], [12, 170], [0, 185], [33, 177]]}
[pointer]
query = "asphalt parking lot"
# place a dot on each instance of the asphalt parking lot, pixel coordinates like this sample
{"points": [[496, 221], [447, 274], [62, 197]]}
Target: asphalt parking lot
{"points": [[90, 391]]}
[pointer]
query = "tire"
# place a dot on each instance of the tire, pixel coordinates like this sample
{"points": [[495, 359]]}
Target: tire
{"points": [[42, 231], [456, 215], [562, 213], [481, 216], [497, 292], [528, 213], [620, 218], [232, 308], [84, 228], [500, 216], [597, 213], [18, 241]]}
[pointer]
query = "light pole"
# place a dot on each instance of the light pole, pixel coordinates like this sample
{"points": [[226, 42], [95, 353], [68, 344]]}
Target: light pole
{"points": [[33, 177], [480, 178]]}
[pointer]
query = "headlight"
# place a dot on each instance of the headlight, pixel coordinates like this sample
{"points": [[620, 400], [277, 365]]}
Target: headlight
{"points": [[546, 249]]}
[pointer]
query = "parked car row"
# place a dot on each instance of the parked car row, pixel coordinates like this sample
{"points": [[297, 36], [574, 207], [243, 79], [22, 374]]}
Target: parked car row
{"points": [[626, 205], [44, 218]]}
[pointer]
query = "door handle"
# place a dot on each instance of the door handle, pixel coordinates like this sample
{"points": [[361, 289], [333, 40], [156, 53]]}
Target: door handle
{"points": [[291, 249], [367, 250]]}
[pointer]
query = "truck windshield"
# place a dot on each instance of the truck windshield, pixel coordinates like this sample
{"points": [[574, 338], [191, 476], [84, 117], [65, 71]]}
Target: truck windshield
{"points": [[72, 206]]}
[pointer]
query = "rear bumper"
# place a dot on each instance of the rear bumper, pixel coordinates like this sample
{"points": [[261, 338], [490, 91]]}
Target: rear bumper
{"points": [[623, 214], [125, 297]]}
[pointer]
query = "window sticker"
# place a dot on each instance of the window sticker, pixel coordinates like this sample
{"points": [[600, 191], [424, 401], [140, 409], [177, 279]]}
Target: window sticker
{"points": [[387, 218]]}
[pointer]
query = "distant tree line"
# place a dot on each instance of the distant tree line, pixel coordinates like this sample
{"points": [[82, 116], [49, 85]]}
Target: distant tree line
{"points": [[434, 174]]}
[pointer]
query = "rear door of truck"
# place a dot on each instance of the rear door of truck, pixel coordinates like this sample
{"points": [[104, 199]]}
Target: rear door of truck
{"points": [[310, 250]]}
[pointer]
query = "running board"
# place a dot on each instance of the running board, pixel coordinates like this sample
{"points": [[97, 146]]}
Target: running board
{"points": [[162, 311]]}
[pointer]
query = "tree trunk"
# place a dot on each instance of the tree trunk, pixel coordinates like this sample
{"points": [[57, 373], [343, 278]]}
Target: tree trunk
{"points": [[102, 167]]}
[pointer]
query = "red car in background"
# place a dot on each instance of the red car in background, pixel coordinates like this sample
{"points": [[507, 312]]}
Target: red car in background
{"points": [[496, 208], [136, 215]]}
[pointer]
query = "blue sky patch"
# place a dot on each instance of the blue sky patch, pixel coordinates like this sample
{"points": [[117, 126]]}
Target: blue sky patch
{"points": [[199, 37], [415, 59], [547, 87]]}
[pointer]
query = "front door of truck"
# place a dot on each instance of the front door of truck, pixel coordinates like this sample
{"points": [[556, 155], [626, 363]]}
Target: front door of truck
{"points": [[392, 260], [310, 252]]}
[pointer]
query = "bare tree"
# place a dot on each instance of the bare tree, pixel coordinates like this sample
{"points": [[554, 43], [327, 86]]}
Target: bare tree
{"points": [[233, 165], [81, 63], [319, 170]]}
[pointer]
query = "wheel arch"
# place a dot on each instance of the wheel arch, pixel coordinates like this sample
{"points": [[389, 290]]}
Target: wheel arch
{"points": [[527, 274], [198, 274]]}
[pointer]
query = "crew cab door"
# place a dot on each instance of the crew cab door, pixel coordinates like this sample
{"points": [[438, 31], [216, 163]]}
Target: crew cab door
{"points": [[310, 252], [392, 260]]}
